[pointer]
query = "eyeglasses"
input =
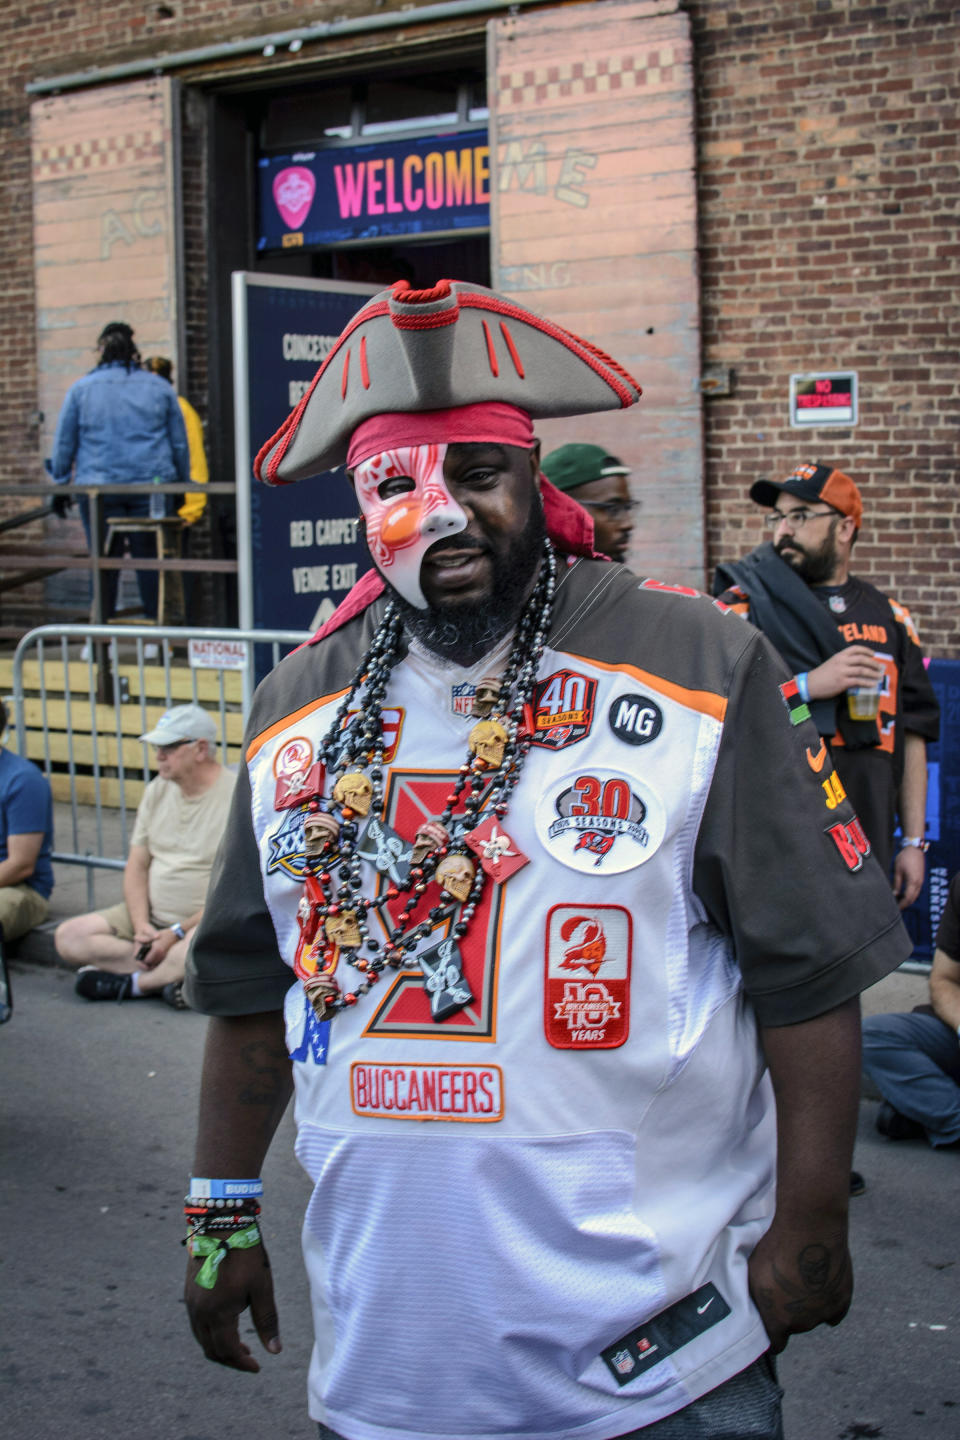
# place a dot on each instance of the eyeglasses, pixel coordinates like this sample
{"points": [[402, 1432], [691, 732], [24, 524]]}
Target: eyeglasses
{"points": [[174, 745], [796, 519], [612, 508]]}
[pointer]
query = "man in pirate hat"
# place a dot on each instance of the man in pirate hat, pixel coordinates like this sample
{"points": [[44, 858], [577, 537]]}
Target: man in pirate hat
{"points": [[518, 961]]}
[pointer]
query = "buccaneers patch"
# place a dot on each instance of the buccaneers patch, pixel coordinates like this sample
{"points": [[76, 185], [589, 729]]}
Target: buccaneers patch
{"points": [[601, 823], [562, 709], [851, 840], [586, 992]]}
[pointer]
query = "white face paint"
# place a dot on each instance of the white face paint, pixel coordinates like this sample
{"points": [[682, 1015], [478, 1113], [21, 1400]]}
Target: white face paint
{"points": [[401, 527]]}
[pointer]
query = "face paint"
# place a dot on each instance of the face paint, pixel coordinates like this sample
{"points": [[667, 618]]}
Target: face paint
{"points": [[401, 527]]}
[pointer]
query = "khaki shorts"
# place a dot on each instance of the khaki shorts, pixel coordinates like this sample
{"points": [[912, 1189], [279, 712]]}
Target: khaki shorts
{"points": [[21, 908], [118, 918]]}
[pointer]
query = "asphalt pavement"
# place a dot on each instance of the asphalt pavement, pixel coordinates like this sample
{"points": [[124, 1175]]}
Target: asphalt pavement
{"points": [[99, 1103]]}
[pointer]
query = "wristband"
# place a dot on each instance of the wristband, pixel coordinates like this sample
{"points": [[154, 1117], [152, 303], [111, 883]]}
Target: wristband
{"points": [[177, 929], [203, 1189], [914, 842], [803, 685]]}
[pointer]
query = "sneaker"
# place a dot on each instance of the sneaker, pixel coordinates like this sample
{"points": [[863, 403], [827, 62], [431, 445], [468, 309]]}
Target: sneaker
{"points": [[151, 650], [896, 1126], [94, 984], [173, 994], [857, 1183], [86, 650]]}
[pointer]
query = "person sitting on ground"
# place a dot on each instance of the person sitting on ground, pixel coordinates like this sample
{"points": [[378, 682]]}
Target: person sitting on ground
{"points": [[598, 482], [139, 946], [26, 842], [914, 1060]]}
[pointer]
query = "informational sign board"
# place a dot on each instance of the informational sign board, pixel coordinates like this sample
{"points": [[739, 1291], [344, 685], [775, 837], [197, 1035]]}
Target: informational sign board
{"points": [[943, 813], [419, 186], [823, 397], [216, 654], [302, 540]]}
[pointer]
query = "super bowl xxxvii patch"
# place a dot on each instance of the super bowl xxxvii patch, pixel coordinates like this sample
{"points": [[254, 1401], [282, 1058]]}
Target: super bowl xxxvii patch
{"points": [[665, 1333], [601, 823], [586, 992]]}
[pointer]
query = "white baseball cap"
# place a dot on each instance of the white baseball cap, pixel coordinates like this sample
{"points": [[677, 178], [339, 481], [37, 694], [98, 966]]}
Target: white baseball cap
{"points": [[183, 722]]}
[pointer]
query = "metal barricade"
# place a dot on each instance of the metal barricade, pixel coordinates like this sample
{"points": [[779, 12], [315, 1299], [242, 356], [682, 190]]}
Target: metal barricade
{"points": [[121, 649]]}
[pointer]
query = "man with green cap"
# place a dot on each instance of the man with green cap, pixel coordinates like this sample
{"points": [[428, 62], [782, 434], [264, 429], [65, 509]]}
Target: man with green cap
{"points": [[598, 482]]}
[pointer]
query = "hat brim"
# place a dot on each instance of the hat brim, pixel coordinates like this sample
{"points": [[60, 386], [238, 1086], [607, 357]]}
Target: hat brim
{"points": [[767, 492]]}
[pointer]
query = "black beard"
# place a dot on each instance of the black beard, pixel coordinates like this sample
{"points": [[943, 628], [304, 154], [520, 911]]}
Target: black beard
{"points": [[465, 632], [815, 569]]}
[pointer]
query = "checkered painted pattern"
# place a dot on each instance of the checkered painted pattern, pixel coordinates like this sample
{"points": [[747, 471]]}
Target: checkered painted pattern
{"points": [[52, 162], [655, 69]]}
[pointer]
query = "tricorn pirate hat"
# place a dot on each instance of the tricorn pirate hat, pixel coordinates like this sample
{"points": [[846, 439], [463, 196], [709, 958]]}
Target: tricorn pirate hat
{"points": [[425, 350]]}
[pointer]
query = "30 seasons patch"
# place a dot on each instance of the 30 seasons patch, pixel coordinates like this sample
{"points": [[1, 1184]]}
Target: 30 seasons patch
{"points": [[601, 822], [586, 994]]}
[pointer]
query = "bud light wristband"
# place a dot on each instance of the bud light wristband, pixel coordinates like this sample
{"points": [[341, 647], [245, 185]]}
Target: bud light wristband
{"points": [[203, 1189]]}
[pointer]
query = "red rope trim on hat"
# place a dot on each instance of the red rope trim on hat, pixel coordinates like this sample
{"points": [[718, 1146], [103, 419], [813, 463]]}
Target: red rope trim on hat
{"points": [[343, 377], [425, 322], [401, 292], [491, 353], [288, 428], [364, 372], [596, 358], [513, 350]]}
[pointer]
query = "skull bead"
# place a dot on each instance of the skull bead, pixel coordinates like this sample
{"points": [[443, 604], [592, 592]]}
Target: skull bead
{"points": [[322, 991], [343, 929], [488, 740], [354, 791], [430, 836], [487, 696], [455, 873], [317, 830]]}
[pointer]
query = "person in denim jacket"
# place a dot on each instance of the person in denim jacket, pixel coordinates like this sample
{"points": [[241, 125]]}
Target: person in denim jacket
{"points": [[121, 425]]}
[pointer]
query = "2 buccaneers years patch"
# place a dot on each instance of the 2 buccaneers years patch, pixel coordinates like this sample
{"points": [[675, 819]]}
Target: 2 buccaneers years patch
{"points": [[586, 993]]}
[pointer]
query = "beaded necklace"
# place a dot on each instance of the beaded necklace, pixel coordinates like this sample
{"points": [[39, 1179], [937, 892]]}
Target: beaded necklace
{"points": [[333, 913]]}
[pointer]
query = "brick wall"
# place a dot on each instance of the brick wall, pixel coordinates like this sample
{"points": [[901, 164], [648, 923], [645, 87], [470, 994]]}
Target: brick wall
{"points": [[829, 179], [828, 182]]}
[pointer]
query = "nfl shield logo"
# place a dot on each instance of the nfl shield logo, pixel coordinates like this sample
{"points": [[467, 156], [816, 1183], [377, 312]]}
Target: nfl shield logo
{"points": [[461, 698], [624, 1362]]}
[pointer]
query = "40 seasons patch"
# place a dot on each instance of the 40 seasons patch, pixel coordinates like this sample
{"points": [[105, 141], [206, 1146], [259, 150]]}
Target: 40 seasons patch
{"points": [[412, 1091], [562, 709], [851, 840], [600, 822], [586, 995]]}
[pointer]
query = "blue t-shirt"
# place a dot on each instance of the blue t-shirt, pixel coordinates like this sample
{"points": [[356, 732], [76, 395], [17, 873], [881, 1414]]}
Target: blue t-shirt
{"points": [[26, 807]]}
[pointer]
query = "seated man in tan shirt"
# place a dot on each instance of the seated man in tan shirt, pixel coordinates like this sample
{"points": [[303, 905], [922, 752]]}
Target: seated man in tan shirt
{"points": [[139, 947]]}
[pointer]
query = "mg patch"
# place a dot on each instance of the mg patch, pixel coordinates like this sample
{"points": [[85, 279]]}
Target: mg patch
{"points": [[586, 992], [562, 709]]}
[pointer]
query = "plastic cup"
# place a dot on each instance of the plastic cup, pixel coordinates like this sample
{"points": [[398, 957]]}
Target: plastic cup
{"points": [[863, 702]]}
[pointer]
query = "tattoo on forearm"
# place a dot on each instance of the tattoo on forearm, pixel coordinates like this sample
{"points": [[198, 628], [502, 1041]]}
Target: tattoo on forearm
{"points": [[269, 1070]]}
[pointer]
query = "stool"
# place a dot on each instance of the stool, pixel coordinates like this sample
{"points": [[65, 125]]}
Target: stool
{"points": [[166, 531]]}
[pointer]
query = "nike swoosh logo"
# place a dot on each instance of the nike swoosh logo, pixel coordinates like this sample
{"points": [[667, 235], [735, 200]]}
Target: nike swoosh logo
{"points": [[701, 1308], [816, 761]]}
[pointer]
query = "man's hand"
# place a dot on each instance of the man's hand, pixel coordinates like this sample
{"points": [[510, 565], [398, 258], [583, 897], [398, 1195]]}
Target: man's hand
{"points": [[243, 1280], [801, 1277], [844, 671], [909, 867], [145, 935]]}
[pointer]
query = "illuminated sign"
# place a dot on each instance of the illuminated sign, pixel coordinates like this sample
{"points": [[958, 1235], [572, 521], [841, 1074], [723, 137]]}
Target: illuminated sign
{"points": [[823, 397], [398, 187]]}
